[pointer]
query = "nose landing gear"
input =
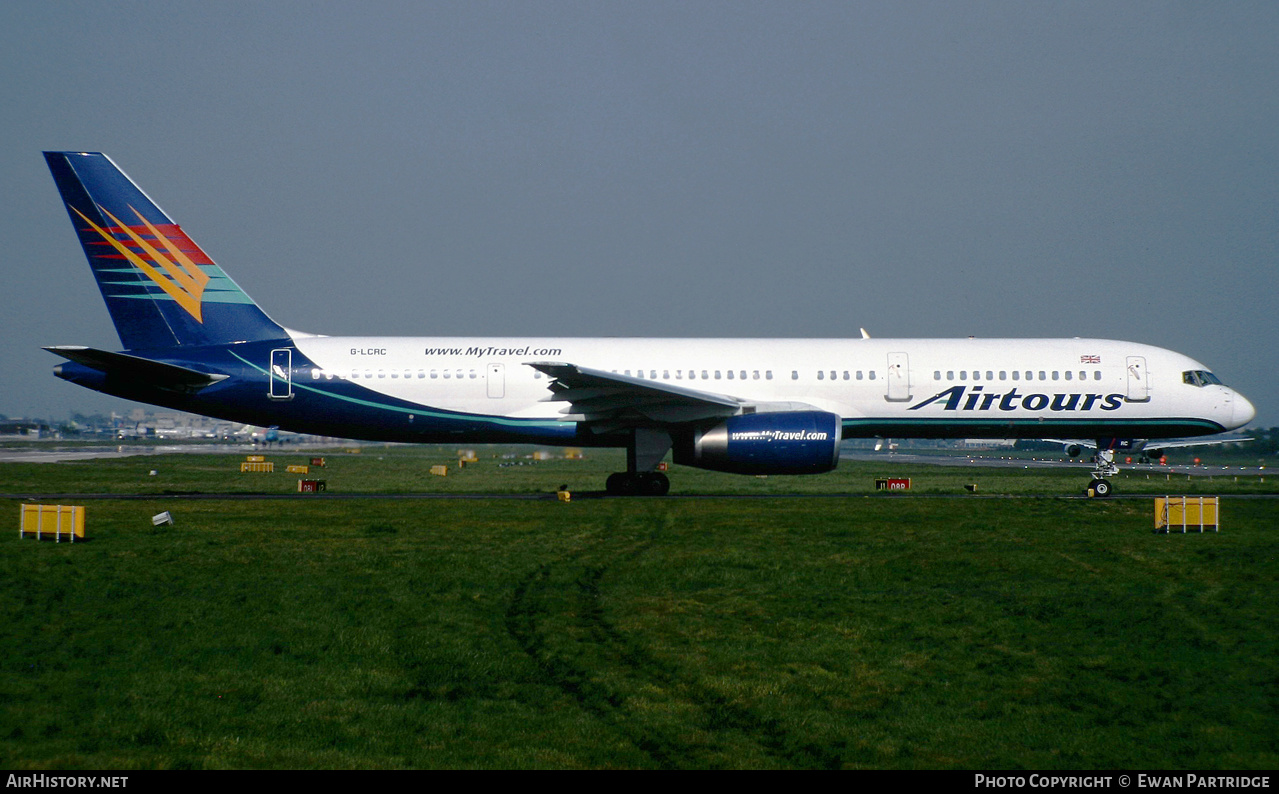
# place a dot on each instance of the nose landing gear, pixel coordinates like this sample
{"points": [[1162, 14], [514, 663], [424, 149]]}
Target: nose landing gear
{"points": [[1104, 460]]}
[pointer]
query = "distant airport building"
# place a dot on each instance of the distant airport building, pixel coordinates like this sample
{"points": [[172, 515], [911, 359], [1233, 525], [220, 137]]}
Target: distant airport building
{"points": [[24, 428], [989, 443]]}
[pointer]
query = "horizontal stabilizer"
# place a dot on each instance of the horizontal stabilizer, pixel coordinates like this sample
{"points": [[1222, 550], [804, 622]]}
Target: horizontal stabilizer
{"points": [[141, 370]]}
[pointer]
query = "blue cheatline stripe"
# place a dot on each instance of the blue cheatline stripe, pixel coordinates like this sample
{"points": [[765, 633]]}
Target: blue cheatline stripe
{"points": [[421, 410]]}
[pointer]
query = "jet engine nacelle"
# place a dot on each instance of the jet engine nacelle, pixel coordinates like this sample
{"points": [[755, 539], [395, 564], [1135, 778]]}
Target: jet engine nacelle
{"points": [[784, 442]]}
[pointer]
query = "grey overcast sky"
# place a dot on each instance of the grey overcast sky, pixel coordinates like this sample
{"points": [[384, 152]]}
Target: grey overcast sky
{"points": [[947, 169]]}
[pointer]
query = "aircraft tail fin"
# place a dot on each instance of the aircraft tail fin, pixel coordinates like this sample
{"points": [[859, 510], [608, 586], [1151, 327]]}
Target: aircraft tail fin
{"points": [[161, 289]]}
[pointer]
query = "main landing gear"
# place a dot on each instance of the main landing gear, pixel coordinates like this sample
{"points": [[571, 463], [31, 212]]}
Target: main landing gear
{"points": [[638, 483], [1104, 460], [647, 448]]}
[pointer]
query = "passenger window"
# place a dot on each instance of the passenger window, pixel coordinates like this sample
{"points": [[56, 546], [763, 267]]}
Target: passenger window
{"points": [[937, 374], [794, 374], [1016, 374], [821, 375]]}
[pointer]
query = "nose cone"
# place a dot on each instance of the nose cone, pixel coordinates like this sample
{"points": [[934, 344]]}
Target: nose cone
{"points": [[1244, 412]]}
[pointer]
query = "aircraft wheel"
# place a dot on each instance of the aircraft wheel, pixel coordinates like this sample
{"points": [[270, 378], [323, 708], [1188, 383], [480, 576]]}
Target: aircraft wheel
{"points": [[643, 483], [620, 484], [653, 483], [1100, 488]]}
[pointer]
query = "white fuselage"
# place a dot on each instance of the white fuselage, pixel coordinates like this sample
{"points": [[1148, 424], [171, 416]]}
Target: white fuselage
{"points": [[930, 387]]}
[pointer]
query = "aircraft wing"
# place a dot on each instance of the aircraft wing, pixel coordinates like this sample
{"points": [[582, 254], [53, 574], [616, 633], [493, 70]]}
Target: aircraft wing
{"points": [[143, 370], [609, 401]]}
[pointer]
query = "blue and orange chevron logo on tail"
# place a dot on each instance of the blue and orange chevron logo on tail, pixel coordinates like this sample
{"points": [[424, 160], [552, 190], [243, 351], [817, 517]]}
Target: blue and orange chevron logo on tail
{"points": [[175, 269]]}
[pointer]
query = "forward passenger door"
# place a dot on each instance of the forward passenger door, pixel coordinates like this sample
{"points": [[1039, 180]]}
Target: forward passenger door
{"points": [[898, 378]]}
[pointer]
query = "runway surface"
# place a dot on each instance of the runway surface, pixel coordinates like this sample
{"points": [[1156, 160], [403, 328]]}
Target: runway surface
{"points": [[54, 454], [58, 454], [1009, 462]]}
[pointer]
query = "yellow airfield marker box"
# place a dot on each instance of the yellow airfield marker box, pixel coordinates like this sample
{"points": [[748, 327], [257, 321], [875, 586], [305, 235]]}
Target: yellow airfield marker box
{"points": [[53, 521], [1189, 513]]}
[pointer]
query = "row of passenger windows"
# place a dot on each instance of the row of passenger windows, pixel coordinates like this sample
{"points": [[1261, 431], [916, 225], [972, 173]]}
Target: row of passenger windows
{"points": [[706, 374], [1017, 375], [650, 374], [407, 374], [741, 374]]}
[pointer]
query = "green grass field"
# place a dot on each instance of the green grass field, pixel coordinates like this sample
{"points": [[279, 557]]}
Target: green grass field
{"points": [[853, 631]]}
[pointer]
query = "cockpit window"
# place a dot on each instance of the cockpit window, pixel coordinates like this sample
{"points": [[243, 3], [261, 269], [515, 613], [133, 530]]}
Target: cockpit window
{"points": [[1200, 377]]}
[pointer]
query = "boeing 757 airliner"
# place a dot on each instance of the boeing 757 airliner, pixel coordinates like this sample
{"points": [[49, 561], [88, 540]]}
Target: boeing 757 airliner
{"points": [[194, 341]]}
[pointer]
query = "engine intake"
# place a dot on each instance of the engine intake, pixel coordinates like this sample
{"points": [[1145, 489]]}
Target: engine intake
{"points": [[786, 442]]}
